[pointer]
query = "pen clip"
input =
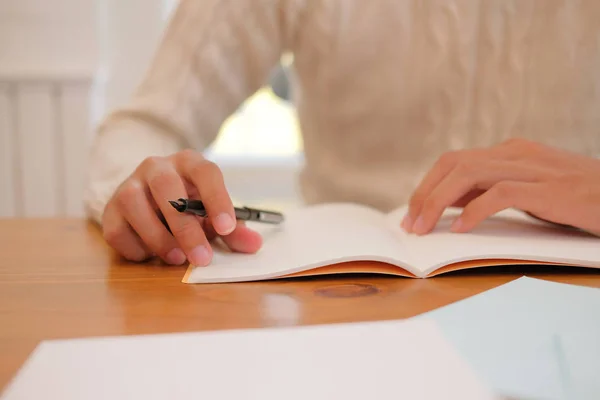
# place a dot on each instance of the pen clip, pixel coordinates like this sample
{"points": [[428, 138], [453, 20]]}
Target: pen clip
{"points": [[267, 217]]}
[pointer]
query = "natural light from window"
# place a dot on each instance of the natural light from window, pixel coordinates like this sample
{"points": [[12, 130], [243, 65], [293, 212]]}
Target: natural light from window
{"points": [[264, 125]]}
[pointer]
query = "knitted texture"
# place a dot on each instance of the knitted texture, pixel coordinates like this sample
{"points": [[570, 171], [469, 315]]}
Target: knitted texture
{"points": [[382, 87]]}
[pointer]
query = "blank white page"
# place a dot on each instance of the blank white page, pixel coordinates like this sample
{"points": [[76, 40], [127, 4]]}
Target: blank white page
{"points": [[310, 237], [509, 234], [376, 360]]}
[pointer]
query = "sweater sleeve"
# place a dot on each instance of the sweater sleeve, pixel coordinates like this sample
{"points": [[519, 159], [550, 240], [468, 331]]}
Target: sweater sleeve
{"points": [[214, 54]]}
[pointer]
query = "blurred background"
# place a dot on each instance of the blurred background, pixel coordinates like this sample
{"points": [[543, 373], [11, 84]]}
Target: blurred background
{"points": [[65, 63]]}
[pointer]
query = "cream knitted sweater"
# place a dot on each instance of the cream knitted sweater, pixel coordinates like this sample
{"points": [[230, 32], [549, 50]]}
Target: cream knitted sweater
{"points": [[382, 87]]}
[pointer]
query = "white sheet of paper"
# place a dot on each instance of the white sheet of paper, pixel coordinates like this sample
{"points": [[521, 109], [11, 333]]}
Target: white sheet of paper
{"points": [[530, 338], [376, 360]]}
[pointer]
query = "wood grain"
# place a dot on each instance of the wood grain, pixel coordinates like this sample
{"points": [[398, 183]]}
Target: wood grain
{"points": [[59, 280]]}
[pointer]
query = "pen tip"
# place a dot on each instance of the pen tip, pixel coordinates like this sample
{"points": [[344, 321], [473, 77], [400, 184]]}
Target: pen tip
{"points": [[176, 205]]}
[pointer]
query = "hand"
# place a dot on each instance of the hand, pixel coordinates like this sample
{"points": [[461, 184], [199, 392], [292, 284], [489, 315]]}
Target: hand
{"points": [[548, 183], [131, 221]]}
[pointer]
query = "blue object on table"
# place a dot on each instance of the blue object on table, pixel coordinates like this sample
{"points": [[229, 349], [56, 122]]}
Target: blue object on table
{"points": [[530, 338]]}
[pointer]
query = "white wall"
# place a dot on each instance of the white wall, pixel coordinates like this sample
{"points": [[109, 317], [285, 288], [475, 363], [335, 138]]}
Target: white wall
{"points": [[44, 136], [128, 32], [56, 37], [63, 65], [48, 54]]}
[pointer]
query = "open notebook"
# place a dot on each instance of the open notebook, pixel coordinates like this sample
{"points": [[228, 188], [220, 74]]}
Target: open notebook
{"points": [[350, 238]]}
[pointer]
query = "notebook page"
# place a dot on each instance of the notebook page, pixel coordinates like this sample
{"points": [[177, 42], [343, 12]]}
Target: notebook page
{"points": [[374, 360], [509, 234], [310, 237]]}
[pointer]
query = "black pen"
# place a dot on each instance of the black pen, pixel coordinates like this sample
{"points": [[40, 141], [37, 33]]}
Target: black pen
{"points": [[245, 213]]}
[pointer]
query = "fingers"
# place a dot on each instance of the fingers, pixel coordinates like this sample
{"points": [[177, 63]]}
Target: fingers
{"points": [[243, 239], [208, 179], [134, 205], [119, 235], [510, 150], [165, 184], [467, 198], [440, 169], [507, 194], [137, 213], [466, 177]]}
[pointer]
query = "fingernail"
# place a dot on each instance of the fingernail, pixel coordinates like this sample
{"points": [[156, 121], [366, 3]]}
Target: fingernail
{"points": [[200, 256], [406, 223], [419, 226], [176, 257], [224, 224], [456, 225]]}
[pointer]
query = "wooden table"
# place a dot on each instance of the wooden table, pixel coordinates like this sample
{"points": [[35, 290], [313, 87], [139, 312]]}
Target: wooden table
{"points": [[59, 280]]}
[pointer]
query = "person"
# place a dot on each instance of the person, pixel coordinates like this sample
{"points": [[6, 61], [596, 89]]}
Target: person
{"points": [[478, 104]]}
